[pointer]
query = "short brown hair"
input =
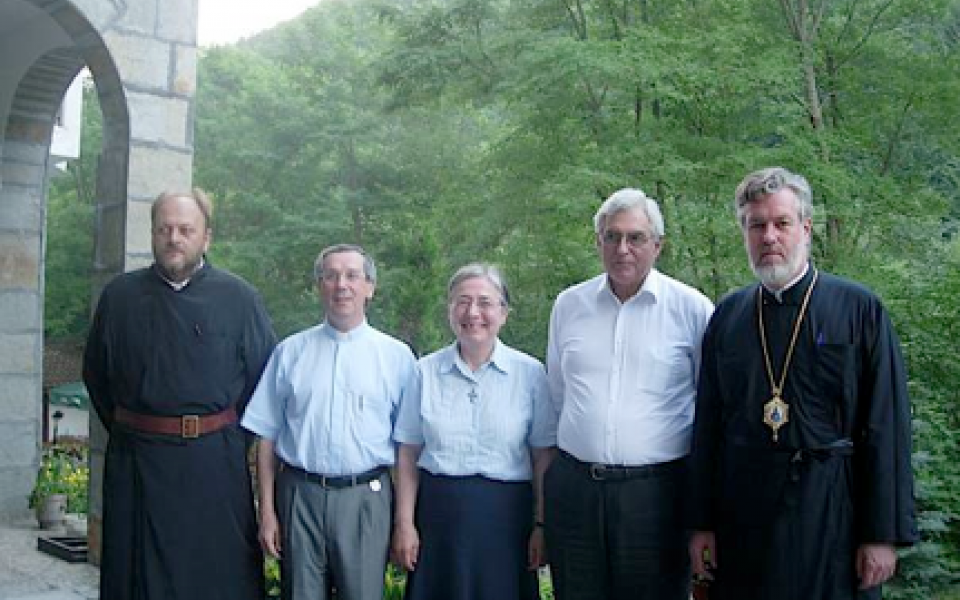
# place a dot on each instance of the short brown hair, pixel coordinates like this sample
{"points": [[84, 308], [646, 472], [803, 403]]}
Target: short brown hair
{"points": [[196, 194]]}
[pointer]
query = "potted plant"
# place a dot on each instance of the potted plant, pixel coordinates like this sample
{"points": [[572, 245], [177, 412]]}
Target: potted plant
{"points": [[61, 486]]}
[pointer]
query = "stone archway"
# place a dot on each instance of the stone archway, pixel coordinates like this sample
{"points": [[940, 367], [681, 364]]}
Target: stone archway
{"points": [[22, 201], [142, 55]]}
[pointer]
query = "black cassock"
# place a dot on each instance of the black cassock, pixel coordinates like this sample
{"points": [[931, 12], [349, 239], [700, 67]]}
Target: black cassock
{"points": [[179, 520], [790, 515]]}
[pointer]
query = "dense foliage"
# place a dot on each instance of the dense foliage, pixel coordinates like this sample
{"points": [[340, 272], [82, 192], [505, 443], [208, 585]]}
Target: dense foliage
{"points": [[440, 132], [69, 239], [436, 133]]}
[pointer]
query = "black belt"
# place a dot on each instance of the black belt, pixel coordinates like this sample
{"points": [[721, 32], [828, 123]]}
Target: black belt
{"points": [[336, 482], [838, 447], [841, 447], [602, 472]]}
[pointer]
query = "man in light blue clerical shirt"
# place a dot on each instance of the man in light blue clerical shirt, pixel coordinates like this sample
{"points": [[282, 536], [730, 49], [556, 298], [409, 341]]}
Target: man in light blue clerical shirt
{"points": [[324, 412]]}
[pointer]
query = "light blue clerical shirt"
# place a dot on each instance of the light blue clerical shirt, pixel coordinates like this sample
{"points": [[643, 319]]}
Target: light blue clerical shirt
{"points": [[478, 423], [329, 399]]}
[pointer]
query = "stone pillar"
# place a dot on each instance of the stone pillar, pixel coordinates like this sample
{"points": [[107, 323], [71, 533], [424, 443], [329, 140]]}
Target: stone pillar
{"points": [[23, 180], [142, 55], [148, 144], [21, 319]]}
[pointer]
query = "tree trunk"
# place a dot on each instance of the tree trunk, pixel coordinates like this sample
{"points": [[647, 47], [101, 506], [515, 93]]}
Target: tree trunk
{"points": [[804, 27]]}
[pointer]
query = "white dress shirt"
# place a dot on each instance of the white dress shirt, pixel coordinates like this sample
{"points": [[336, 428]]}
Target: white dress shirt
{"points": [[329, 399], [624, 374]]}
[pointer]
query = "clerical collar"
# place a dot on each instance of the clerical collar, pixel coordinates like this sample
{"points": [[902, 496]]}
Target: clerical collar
{"points": [[345, 336], [179, 286], [778, 294]]}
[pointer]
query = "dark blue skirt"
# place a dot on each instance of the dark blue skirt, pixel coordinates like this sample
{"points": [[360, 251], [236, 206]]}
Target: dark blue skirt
{"points": [[473, 540]]}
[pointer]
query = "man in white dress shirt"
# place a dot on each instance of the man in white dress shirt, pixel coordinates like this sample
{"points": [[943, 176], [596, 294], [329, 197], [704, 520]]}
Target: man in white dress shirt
{"points": [[622, 362], [324, 411]]}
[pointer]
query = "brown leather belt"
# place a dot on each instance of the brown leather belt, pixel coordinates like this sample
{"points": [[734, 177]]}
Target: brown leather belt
{"points": [[185, 426]]}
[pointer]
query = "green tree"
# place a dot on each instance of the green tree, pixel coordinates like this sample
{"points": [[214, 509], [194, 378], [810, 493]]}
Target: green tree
{"points": [[441, 132], [69, 237]]}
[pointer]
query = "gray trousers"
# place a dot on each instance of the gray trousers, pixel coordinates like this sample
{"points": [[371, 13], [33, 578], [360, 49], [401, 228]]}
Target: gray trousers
{"points": [[333, 538]]}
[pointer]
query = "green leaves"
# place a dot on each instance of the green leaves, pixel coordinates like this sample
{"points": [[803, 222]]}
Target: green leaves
{"points": [[70, 233], [439, 133]]}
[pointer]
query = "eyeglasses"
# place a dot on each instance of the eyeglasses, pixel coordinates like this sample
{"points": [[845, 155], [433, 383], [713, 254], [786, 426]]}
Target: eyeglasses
{"points": [[484, 304], [351, 276], [635, 239]]}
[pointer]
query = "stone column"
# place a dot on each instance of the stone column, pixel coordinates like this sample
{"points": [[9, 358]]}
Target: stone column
{"points": [[143, 59]]}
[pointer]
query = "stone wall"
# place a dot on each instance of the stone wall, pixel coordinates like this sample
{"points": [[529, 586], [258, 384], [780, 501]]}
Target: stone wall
{"points": [[23, 173], [142, 55]]}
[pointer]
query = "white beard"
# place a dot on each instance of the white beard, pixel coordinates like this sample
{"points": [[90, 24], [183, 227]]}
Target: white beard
{"points": [[775, 277]]}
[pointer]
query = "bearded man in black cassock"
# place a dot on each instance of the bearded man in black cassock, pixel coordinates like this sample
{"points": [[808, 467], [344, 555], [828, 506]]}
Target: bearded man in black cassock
{"points": [[803, 488], [173, 356]]}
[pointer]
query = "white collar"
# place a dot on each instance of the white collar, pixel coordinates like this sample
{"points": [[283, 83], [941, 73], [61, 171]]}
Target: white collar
{"points": [[778, 294], [179, 286]]}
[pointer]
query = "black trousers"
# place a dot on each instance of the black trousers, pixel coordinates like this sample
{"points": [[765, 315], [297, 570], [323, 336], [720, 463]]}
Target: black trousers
{"points": [[616, 539]]}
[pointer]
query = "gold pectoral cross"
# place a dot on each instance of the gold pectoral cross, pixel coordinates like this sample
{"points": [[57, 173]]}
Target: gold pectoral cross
{"points": [[776, 414]]}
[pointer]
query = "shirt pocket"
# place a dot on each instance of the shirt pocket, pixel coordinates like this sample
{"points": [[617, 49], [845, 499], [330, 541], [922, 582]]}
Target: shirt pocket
{"points": [[448, 416], [371, 410], [203, 355], [664, 371], [836, 379], [836, 368]]}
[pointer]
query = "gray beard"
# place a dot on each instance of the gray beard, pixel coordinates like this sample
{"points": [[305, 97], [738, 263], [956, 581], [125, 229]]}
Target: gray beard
{"points": [[774, 276]]}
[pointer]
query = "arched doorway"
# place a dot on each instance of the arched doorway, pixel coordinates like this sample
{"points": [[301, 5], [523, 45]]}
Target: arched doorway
{"points": [[142, 56]]}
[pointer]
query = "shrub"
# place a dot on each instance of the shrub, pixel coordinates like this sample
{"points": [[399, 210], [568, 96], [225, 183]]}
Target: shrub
{"points": [[63, 470]]}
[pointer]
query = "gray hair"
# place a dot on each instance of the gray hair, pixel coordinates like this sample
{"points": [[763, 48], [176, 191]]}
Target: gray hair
{"points": [[196, 194], [369, 268], [629, 199], [769, 181], [483, 270]]}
